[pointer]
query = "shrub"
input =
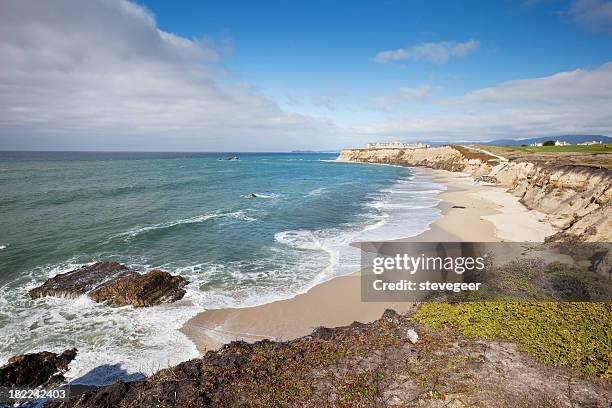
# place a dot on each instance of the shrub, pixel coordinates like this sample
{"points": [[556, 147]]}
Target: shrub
{"points": [[576, 334]]}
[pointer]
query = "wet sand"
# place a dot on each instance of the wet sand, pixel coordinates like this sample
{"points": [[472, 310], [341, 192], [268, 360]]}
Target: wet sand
{"points": [[471, 212]]}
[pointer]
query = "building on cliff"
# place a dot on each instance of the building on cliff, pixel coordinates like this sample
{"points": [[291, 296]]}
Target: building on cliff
{"points": [[397, 145]]}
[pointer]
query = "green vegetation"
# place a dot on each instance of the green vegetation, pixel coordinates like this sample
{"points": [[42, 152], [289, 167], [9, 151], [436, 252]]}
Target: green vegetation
{"points": [[576, 334], [589, 149], [599, 156]]}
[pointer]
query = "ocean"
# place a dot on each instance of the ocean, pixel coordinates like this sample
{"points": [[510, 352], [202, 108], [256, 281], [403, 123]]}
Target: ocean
{"points": [[191, 214]]}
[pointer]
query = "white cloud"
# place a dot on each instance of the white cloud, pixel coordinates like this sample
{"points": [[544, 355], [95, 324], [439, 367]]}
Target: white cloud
{"points": [[393, 99], [580, 86], [595, 14], [567, 102], [100, 75], [437, 53]]}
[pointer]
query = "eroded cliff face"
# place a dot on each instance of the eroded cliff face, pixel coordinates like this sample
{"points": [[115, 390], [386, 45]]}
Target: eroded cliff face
{"points": [[577, 199], [444, 158]]}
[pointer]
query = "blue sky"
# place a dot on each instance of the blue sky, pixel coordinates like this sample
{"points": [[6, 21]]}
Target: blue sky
{"points": [[308, 52], [204, 75]]}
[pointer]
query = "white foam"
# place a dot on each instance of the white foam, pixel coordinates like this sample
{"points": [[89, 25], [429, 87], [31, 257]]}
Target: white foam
{"points": [[405, 209], [316, 191], [237, 215], [300, 239], [118, 342], [4, 246]]}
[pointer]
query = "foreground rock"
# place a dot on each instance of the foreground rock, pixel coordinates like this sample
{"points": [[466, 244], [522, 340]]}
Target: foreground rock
{"points": [[115, 284], [34, 370]]}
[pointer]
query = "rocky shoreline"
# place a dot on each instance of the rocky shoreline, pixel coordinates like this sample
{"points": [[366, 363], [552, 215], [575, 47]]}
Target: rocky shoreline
{"points": [[394, 361], [577, 199], [36, 369], [437, 354], [115, 284]]}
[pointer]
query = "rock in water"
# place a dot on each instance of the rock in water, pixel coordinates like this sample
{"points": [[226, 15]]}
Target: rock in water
{"points": [[80, 281], [34, 370], [115, 284], [138, 290]]}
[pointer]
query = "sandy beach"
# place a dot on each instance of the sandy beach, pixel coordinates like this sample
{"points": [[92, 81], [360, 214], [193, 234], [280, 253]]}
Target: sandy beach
{"points": [[471, 212]]}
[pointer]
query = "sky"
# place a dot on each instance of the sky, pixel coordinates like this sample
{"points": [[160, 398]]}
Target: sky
{"points": [[153, 75]]}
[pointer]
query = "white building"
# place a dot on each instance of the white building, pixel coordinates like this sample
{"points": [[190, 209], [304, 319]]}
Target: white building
{"points": [[536, 144], [561, 143], [397, 145], [592, 142]]}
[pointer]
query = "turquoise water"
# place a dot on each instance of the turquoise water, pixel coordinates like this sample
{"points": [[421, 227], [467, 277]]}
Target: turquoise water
{"points": [[189, 214]]}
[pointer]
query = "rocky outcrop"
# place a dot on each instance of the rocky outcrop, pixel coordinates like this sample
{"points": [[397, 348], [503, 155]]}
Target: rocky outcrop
{"points": [[37, 369], [486, 179], [150, 289], [577, 199], [115, 284], [442, 158], [80, 281]]}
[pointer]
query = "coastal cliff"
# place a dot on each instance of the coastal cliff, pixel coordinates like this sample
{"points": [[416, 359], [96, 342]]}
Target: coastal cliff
{"points": [[397, 360], [577, 199]]}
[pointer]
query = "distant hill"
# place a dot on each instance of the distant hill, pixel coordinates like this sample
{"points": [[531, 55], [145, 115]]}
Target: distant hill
{"points": [[573, 139]]}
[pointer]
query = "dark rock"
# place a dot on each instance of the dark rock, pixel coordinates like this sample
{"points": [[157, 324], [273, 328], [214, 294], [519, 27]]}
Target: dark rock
{"points": [[486, 179], [458, 206], [110, 396], [390, 315], [80, 281], [34, 370], [602, 263], [115, 284], [323, 333], [138, 290]]}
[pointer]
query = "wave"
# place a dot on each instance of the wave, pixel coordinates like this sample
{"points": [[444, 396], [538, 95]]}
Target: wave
{"points": [[299, 239], [237, 215], [316, 192], [414, 192], [381, 222], [401, 210], [4, 246], [113, 342]]}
